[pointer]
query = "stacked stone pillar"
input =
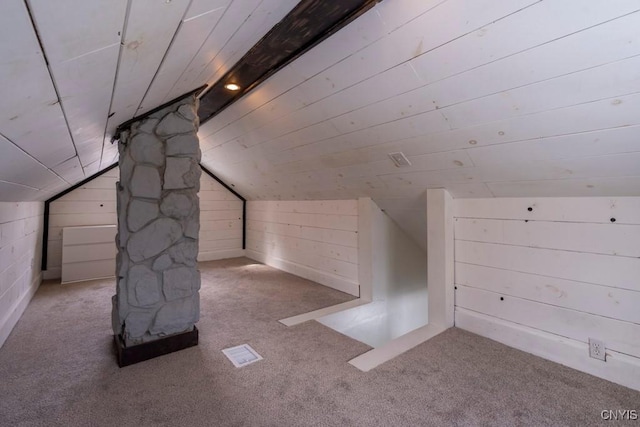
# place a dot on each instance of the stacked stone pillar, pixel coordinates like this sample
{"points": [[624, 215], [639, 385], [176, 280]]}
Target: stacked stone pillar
{"points": [[158, 223]]}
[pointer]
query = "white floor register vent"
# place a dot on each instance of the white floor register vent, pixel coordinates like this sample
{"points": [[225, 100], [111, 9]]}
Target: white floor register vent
{"points": [[241, 355]]}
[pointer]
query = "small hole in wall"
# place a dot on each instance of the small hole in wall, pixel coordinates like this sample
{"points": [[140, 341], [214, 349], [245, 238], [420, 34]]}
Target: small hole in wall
{"points": [[501, 298], [613, 220], [455, 287], [101, 205], [530, 209]]}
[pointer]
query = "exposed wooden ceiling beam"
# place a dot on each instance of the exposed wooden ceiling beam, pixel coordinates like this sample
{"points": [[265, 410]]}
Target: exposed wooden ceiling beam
{"points": [[310, 22]]}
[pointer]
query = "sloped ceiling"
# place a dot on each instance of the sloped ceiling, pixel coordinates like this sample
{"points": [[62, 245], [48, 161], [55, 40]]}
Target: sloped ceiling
{"points": [[486, 98], [73, 70]]}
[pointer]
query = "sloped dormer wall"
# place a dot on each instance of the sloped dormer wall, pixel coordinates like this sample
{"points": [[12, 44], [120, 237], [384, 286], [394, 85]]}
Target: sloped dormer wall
{"points": [[94, 203]]}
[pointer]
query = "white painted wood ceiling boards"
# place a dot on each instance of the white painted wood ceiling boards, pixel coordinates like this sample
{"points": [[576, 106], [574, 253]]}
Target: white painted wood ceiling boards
{"points": [[506, 99]]}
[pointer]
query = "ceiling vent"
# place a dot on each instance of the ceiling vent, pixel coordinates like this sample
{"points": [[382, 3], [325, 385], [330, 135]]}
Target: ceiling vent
{"points": [[400, 160], [242, 355]]}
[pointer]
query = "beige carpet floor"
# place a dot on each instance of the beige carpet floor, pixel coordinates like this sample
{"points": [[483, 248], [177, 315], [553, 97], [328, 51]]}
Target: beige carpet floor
{"points": [[58, 368]]}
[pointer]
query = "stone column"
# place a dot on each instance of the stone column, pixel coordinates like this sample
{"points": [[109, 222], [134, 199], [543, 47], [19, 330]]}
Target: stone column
{"points": [[157, 299]]}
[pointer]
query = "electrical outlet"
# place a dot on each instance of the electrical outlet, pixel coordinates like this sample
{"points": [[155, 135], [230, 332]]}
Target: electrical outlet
{"points": [[597, 349]]}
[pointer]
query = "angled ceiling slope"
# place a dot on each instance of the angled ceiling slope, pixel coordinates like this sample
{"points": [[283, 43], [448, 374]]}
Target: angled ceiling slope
{"points": [[75, 69], [485, 98], [306, 25]]}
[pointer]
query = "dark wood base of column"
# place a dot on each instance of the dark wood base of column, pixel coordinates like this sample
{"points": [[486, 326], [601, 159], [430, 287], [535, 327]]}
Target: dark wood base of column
{"points": [[141, 352]]}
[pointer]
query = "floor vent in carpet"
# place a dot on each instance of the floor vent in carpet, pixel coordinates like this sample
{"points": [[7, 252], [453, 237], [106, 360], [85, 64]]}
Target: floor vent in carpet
{"points": [[241, 355]]}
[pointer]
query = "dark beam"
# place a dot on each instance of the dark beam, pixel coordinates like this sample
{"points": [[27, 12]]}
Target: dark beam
{"points": [[310, 22]]}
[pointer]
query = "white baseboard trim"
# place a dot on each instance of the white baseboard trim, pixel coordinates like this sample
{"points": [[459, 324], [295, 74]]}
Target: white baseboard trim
{"points": [[52, 273], [222, 254], [87, 280], [56, 272], [14, 314], [312, 315], [372, 358], [309, 273], [619, 368]]}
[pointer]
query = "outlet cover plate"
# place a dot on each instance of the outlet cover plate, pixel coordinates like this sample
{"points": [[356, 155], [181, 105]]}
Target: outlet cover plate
{"points": [[597, 350]]}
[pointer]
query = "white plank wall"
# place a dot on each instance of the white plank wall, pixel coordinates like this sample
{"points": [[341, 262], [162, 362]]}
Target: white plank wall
{"points": [[94, 203], [20, 249], [546, 274], [88, 252], [220, 221], [317, 240]]}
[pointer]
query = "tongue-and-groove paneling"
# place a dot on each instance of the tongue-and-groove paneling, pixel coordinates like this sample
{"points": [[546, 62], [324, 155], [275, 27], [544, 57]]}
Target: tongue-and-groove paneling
{"points": [[488, 98], [317, 240], [191, 35], [546, 280], [83, 63], [94, 203], [20, 275], [33, 133], [100, 58], [448, 85]]}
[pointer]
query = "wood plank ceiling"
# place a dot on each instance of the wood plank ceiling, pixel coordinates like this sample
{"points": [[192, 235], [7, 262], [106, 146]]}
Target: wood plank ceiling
{"points": [[486, 98]]}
